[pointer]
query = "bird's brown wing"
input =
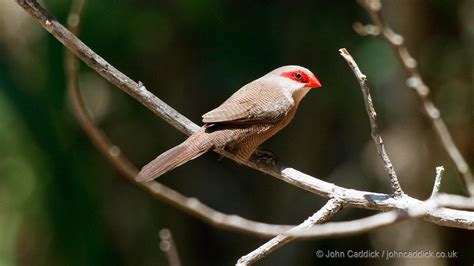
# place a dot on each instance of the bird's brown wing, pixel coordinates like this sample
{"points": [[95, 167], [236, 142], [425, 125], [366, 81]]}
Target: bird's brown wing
{"points": [[253, 103]]}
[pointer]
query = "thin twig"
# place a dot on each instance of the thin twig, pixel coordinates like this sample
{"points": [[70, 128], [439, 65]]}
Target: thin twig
{"points": [[365, 30], [359, 226], [454, 201], [437, 183], [168, 247], [397, 190], [321, 216], [351, 197], [415, 82], [74, 19], [71, 66], [113, 153]]}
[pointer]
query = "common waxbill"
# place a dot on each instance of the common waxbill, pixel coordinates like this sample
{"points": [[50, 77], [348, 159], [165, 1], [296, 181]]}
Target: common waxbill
{"points": [[244, 121]]}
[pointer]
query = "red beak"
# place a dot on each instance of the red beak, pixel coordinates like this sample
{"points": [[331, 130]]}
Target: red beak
{"points": [[313, 83]]}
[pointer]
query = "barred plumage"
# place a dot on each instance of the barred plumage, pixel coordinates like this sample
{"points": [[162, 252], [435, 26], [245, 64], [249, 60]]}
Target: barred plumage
{"points": [[244, 121]]}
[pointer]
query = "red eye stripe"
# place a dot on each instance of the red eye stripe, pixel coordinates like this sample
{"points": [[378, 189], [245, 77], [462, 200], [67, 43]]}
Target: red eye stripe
{"points": [[297, 75]]}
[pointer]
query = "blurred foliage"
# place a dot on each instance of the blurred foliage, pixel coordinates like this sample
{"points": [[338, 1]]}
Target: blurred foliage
{"points": [[61, 203]]}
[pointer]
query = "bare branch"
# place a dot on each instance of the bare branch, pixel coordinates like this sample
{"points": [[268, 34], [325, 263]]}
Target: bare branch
{"points": [[397, 190], [437, 183], [350, 197], [365, 30], [324, 214], [359, 226], [454, 201], [415, 82], [71, 66], [74, 19], [112, 152], [168, 247]]}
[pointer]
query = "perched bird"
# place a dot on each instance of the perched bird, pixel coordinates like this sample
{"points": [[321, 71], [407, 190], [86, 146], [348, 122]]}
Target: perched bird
{"points": [[244, 121]]}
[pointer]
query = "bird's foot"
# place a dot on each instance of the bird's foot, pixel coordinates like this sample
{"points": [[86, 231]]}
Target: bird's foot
{"points": [[220, 157], [265, 157]]}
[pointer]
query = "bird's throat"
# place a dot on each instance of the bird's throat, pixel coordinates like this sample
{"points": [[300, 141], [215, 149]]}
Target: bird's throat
{"points": [[299, 94]]}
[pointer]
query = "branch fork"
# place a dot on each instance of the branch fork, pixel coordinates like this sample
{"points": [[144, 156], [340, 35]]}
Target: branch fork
{"points": [[414, 81], [440, 209]]}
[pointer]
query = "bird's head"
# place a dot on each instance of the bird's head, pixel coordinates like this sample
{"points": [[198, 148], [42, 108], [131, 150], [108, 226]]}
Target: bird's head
{"points": [[298, 75], [294, 80]]}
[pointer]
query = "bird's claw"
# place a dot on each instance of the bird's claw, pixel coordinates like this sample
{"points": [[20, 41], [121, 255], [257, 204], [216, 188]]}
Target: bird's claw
{"points": [[265, 157]]}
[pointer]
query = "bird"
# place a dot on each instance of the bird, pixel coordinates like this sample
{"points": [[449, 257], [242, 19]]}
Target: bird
{"points": [[249, 117]]}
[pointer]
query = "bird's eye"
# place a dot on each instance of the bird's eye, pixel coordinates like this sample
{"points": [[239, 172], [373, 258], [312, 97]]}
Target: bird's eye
{"points": [[297, 75]]}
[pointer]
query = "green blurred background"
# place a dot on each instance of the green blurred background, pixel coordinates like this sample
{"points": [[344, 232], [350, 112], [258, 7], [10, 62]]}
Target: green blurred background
{"points": [[62, 203]]}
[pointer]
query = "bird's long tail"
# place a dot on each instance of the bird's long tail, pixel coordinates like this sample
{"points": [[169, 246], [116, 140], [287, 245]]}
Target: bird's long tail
{"points": [[191, 148]]}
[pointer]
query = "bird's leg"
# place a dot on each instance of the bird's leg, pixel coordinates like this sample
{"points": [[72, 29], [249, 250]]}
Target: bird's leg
{"points": [[229, 148], [264, 157], [260, 156]]}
